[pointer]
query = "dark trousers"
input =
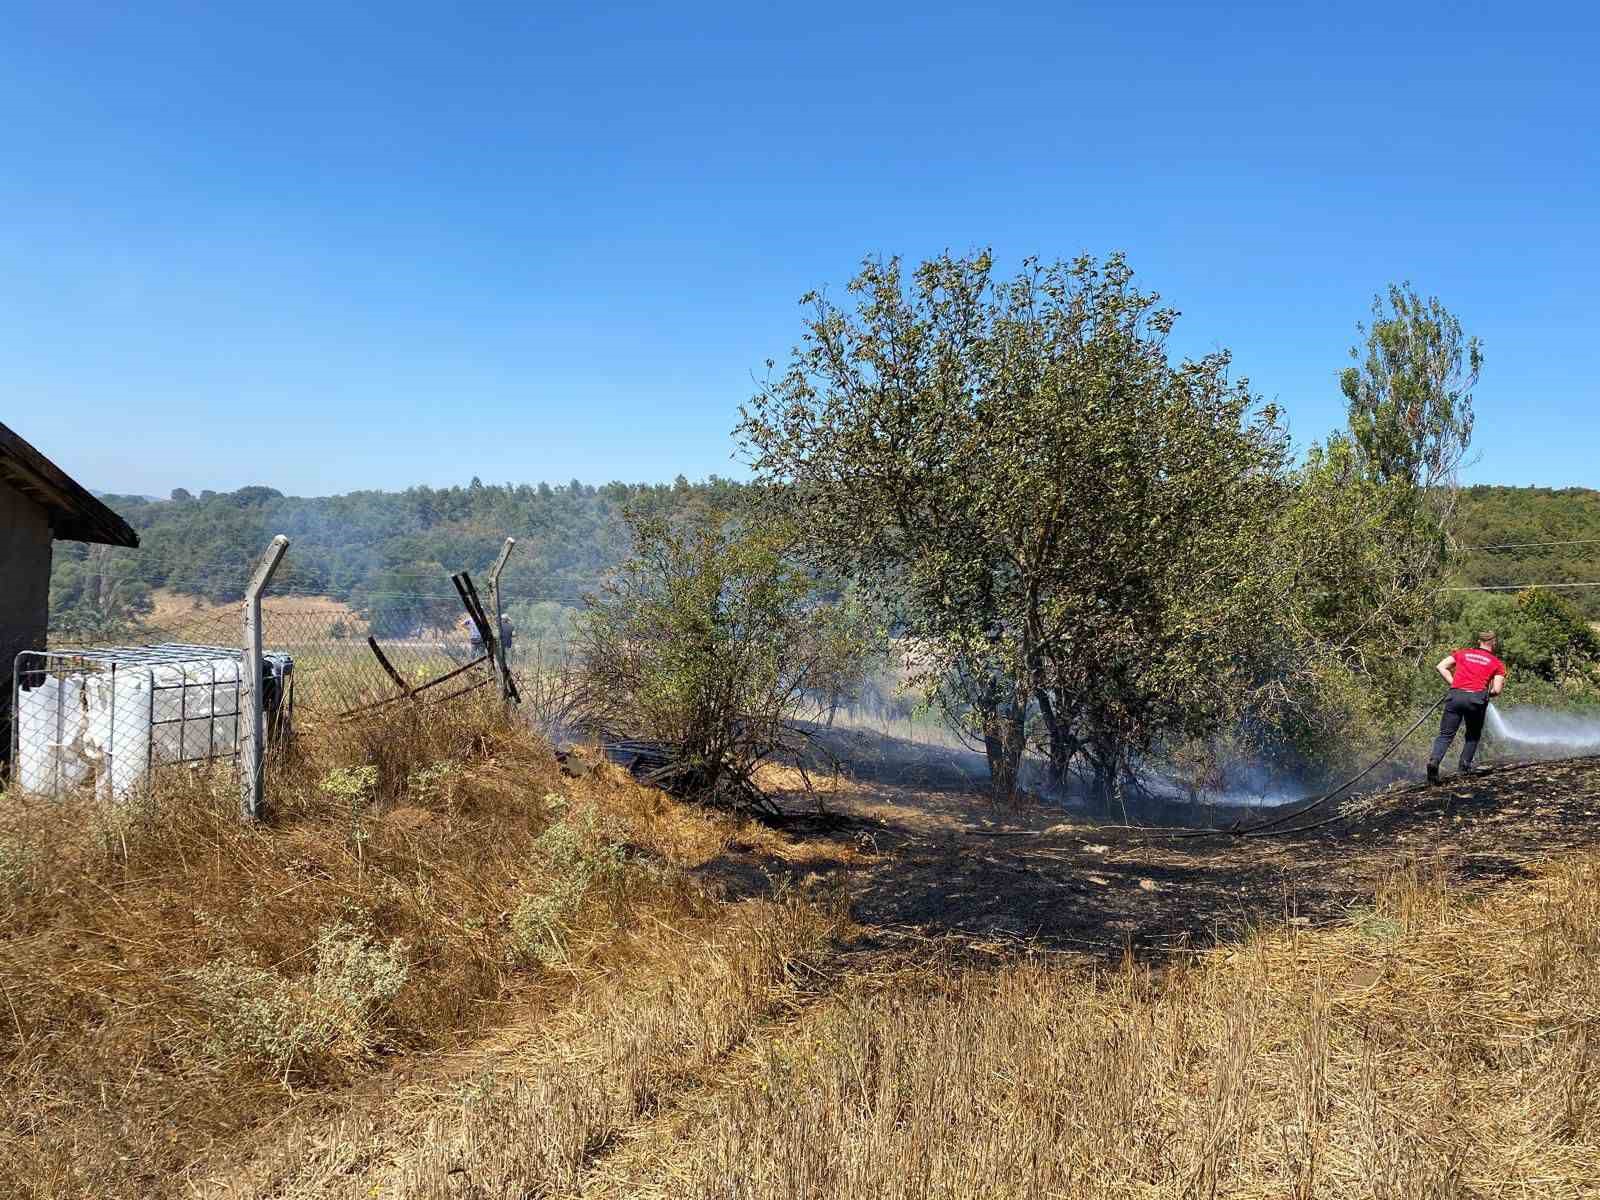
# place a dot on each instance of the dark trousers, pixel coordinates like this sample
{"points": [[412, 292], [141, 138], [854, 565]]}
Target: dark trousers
{"points": [[1468, 708]]}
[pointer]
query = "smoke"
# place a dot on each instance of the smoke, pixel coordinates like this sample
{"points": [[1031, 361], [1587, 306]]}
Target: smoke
{"points": [[1548, 729], [1237, 784]]}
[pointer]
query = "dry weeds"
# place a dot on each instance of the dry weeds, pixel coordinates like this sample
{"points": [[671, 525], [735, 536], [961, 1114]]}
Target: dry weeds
{"points": [[173, 982], [532, 1120], [171, 978]]}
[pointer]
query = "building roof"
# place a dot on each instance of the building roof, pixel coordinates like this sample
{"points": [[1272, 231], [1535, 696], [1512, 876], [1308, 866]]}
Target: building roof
{"points": [[75, 515]]}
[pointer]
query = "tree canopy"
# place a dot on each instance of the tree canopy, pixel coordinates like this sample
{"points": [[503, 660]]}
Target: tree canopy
{"points": [[1065, 522]]}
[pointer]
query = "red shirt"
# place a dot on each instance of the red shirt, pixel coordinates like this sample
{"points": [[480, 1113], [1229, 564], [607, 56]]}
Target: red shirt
{"points": [[1474, 670]]}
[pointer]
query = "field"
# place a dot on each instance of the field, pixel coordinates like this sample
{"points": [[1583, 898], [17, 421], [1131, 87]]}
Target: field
{"points": [[449, 966]]}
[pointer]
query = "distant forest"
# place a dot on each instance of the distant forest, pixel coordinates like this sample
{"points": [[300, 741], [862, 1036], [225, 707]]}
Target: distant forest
{"points": [[1500, 516], [366, 544]]}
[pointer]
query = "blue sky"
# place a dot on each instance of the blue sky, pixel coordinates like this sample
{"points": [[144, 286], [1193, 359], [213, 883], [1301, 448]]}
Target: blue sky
{"points": [[326, 247]]}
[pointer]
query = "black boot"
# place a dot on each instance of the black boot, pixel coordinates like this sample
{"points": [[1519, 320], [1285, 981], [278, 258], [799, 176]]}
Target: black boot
{"points": [[1433, 773]]}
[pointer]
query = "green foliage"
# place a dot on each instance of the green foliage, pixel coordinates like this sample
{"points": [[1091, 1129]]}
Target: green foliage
{"points": [[1410, 392], [96, 592], [1356, 561], [1362, 542], [711, 640], [1057, 514], [428, 783], [1502, 516], [363, 547], [351, 785], [1550, 650], [570, 858]]}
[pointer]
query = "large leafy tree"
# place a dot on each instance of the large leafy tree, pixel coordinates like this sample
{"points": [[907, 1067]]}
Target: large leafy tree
{"points": [[1061, 516]]}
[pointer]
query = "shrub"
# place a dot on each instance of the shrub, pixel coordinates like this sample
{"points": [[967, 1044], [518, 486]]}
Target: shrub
{"points": [[1554, 656], [570, 861], [713, 642], [303, 1026]]}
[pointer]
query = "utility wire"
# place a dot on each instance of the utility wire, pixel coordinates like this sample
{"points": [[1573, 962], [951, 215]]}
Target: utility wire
{"points": [[1533, 545], [1514, 587]]}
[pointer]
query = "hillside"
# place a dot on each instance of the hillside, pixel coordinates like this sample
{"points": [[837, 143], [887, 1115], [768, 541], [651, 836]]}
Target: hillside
{"points": [[354, 546], [1497, 516]]}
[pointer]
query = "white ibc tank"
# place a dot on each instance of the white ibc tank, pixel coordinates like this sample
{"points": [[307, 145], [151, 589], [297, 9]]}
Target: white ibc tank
{"points": [[50, 729], [196, 710], [118, 734]]}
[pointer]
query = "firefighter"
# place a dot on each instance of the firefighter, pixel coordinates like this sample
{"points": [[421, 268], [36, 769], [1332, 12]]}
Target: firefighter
{"points": [[1476, 676]]}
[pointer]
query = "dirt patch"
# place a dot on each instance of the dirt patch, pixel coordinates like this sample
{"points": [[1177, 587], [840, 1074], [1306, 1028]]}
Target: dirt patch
{"points": [[192, 618]]}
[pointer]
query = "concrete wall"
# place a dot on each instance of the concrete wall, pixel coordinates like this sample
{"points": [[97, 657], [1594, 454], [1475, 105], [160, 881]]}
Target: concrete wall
{"points": [[24, 587]]}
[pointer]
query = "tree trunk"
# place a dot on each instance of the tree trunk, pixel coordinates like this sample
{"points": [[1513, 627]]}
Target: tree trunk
{"points": [[1002, 744]]}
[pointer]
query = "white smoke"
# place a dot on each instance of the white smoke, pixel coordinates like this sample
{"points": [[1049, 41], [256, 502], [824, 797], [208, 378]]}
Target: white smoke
{"points": [[1547, 728]]}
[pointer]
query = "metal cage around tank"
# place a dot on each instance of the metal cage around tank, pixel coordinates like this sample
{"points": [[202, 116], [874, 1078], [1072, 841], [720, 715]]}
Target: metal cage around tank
{"points": [[108, 716]]}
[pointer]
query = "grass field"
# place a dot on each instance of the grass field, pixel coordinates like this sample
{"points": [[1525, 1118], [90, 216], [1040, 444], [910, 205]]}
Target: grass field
{"points": [[445, 968]]}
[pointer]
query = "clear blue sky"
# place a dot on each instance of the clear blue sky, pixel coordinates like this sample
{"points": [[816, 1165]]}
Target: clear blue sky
{"points": [[325, 247]]}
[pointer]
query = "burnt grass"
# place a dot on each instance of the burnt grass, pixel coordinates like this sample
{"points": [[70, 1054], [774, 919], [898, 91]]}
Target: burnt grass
{"points": [[934, 858]]}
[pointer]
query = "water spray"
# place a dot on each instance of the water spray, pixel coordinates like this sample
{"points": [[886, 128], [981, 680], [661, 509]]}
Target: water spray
{"points": [[1546, 728]]}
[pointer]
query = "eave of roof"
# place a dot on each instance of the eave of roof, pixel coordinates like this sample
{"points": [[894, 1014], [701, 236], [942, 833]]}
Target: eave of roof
{"points": [[75, 515]]}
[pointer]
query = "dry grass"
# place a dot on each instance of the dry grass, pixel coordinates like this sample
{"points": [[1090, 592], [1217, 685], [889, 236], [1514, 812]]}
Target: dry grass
{"points": [[1427, 1048], [174, 611], [192, 1006], [539, 1111], [171, 978]]}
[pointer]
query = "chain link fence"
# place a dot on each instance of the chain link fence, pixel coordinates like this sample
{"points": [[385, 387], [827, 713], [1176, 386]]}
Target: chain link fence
{"points": [[352, 659], [108, 713]]}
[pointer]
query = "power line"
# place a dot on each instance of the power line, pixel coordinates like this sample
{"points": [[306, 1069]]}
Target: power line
{"points": [[1515, 587], [1535, 545]]}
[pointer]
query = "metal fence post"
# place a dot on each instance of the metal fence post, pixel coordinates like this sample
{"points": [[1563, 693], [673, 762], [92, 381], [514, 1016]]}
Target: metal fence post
{"points": [[252, 719], [501, 673]]}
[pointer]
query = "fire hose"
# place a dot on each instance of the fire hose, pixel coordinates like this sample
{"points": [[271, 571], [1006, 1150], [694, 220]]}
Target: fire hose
{"points": [[1276, 826], [1273, 828]]}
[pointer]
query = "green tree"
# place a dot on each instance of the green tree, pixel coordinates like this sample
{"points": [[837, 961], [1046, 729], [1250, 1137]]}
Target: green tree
{"points": [[96, 593], [1410, 394], [1063, 519], [1543, 639]]}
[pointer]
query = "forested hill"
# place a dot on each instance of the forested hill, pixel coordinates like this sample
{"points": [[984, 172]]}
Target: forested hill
{"points": [[1499, 516], [362, 543]]}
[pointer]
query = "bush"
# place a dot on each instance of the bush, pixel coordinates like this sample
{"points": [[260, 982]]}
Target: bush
{"points": [[568, 860], [303, 1026], [713, 643], [1552, 653]]}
